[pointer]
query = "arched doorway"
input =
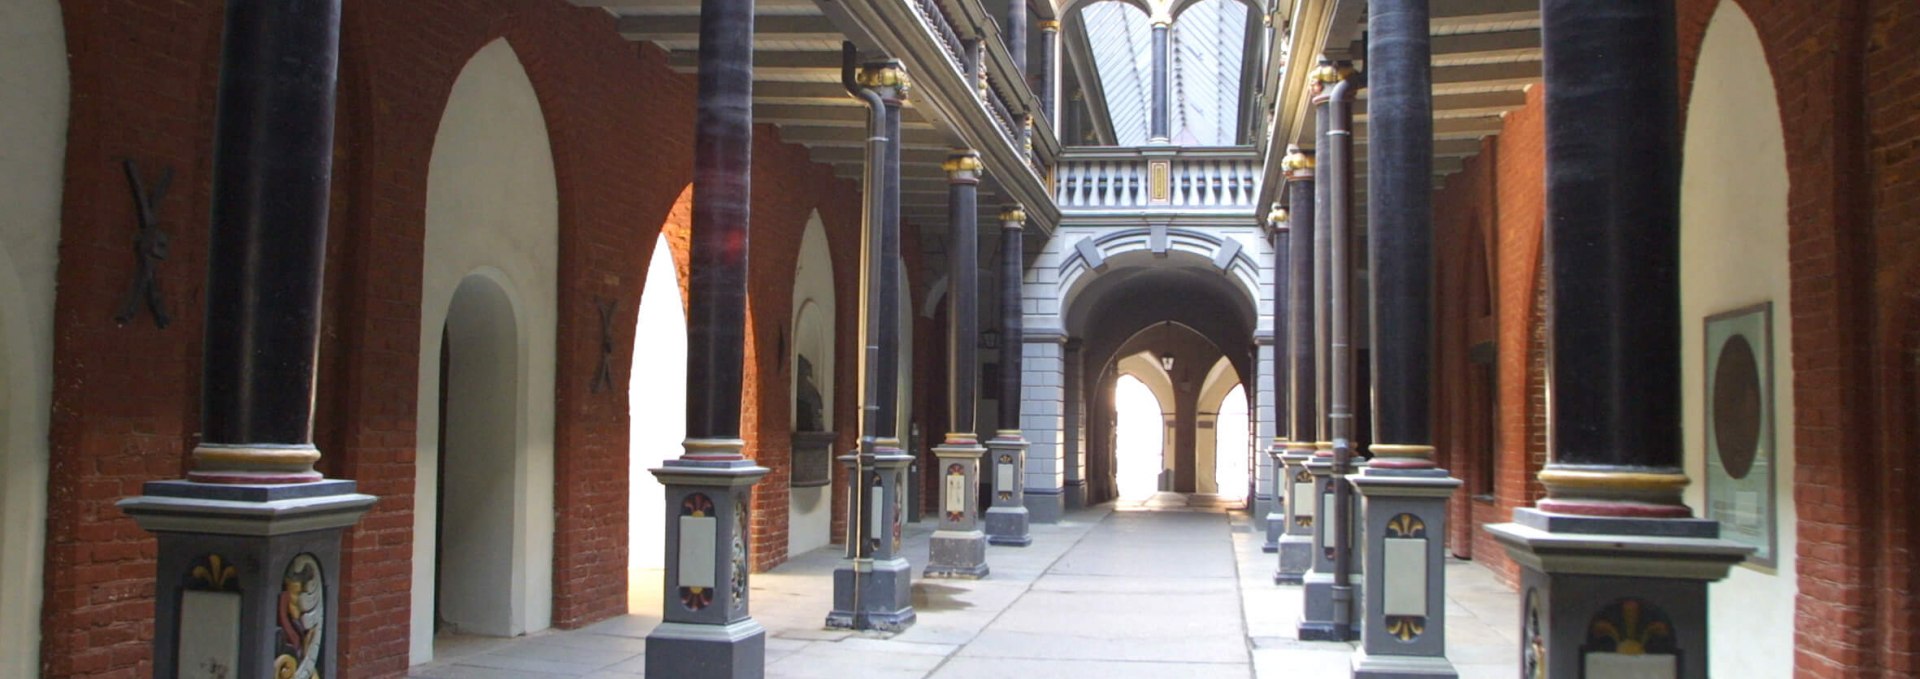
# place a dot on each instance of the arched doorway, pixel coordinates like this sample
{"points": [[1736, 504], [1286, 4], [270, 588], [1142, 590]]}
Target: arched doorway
{"points": [[33, 121], [480, 462], [489, 285], [657, 415], [1140, 435], [1233, 447]]}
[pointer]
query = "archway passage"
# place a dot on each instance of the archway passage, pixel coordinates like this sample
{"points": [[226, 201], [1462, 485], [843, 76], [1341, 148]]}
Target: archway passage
{"points": [[657, 414], [479, 464], [1232, 448], [1140, 450]]}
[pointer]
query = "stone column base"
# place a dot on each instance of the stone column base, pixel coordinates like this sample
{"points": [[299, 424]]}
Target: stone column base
{"points": [[1316, 616], [1076, 494], [1582, 614], [232, 561], [1400, 667], [874, 595], [1296, 556], [958, 548], [1008, 517]]}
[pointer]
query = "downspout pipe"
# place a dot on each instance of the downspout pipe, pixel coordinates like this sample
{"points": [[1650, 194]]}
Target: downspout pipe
{"points": [[1339, 154], [870, 216]]}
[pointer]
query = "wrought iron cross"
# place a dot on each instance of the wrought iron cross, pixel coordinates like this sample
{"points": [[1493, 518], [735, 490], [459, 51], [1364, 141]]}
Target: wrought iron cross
{"points": [[603, 377], [150, 247]]}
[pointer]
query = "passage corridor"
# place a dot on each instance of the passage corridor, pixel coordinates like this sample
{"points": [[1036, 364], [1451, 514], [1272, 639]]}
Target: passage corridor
{"points": [[1147, 589]]}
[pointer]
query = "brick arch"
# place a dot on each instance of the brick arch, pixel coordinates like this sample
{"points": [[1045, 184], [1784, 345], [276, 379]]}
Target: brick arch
{"points": [[1821, 97]]}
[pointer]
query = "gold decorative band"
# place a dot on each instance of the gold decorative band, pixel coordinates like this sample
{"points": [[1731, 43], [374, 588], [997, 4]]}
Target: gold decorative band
{"points": [[1323, 445], [1400, 450], [1003, 433], [709, 447], [1578, 479], [211, 457], [962, 162], [1278, 217], [1049, 25], [1013, 214]]}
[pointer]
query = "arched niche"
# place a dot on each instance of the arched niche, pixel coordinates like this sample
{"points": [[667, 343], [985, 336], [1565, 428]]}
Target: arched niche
{"points": [[1209, 446], [33, 123], [492, 223], [811, 364], [1733, 254], [657, 419]]}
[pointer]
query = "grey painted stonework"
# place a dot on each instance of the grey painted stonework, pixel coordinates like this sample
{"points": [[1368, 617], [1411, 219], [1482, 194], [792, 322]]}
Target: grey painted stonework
{"points": [[1574, 603], [958, 547], [1276, 515], [1007, 518], [1296, 542], [706, 630], [227, 554], [1317, 617], [873, 586], [1403, 630]]}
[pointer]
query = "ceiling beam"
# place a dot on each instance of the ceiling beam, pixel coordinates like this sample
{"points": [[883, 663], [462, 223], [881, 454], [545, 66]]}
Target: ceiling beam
{"points": [[1465, 48], [1484, 77], [686, 28], [770, 59]]}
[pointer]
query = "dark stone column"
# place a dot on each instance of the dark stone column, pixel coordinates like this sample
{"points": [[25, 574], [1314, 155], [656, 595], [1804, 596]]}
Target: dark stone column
{"points": [[872, 587], [1296, 544], [1271, 484], [253, 522], [1049, 72], [1160, 122], [1612, 239], [706, 631], [959, 548], [1007, 519], [1405, 497], [1017, 34]]}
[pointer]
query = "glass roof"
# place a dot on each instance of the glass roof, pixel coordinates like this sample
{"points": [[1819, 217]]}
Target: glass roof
{"points": [[1208, 51]]}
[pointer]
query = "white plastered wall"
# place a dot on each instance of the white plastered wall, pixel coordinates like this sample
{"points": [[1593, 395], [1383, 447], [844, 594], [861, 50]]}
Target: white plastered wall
{"points": [[33, 141], [1733, 246], [493, 210], [809, 521]]}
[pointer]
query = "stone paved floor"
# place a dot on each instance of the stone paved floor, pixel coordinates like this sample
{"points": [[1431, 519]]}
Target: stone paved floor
{"points": [[1144, 589]]}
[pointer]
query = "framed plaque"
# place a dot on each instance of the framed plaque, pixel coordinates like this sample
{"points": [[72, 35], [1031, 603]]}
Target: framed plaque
{"points": [[1739, 430]]}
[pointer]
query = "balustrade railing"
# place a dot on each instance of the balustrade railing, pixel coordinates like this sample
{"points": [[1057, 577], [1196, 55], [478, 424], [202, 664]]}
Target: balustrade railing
{"points": [[1220, 179]]}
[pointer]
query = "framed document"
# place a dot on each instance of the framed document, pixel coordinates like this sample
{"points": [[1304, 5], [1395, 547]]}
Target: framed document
{"points": [[1739, 428]]}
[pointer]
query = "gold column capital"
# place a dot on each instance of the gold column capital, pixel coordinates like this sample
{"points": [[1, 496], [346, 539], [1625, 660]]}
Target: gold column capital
{"points": [[886, 75]]}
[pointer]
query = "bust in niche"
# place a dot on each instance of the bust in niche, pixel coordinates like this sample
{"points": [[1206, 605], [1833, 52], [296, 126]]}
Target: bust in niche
{"points": [[807, 401]]}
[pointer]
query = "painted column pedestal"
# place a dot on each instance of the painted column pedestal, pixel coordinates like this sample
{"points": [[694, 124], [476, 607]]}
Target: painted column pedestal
{"points": [[873, 586], [1317, 616], [248, 575], [1276, 488], [1296, 543], [1403, 631], [958, 548], [706, 630], [1007, 518], [1609, 597]]}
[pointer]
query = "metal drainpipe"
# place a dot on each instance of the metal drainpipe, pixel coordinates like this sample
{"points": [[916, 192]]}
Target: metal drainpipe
{"points": [[872, 213], [1340, 407]]}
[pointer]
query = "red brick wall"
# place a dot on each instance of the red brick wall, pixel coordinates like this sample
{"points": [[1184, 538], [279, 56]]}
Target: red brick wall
{"points": [[126, 399], [1503, 188]]}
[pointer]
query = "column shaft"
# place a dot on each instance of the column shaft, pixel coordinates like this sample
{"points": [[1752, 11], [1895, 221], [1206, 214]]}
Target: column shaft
{"points": [[1612, 232], [1017, 34], [722, 162], [1302, 256], [887, 302], [273, 159], [1049, 73], [1400, 216], [1162, 114], [1012, 266], [963, 290]]}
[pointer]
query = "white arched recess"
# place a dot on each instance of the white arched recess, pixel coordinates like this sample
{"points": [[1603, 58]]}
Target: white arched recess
{"points": [[1733, 253], [809, 522], [657, 417], [1208, 447], [492, 228], [1146, 370], [33, 134]]}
